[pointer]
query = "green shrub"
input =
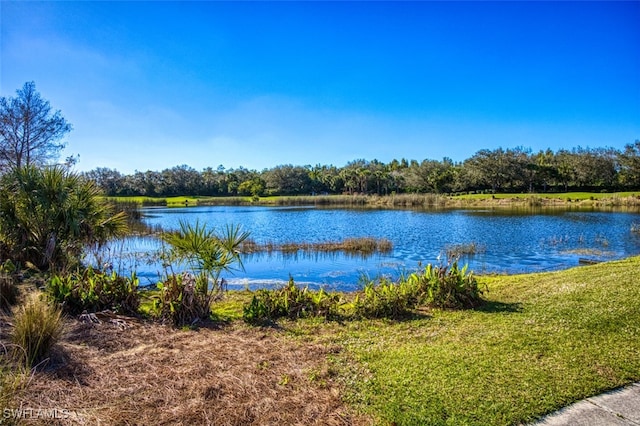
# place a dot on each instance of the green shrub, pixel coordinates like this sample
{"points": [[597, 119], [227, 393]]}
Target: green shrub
{"points": [[37, 327], [93, 291], [48, 216], [292, 302], [183, 299], [446, 286], [385, 300]]}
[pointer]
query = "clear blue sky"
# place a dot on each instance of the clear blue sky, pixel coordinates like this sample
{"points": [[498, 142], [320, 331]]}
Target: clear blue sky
{"points": [[151, 85]]}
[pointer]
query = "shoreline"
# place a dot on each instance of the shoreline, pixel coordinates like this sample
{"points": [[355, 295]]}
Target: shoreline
{"points": [[534, 200]]}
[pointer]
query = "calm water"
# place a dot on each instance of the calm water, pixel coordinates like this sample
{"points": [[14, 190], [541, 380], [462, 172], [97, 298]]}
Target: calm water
{"points": [[507, 242]]}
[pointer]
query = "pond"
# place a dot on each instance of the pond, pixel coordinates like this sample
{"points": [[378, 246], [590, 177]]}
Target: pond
{"points": [[502, 241]]}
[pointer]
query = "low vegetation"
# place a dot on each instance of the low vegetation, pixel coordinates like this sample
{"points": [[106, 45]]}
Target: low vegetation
{"points": [[291, 302], [444, 286], [541, 341], [537, 343], [92, 291]]}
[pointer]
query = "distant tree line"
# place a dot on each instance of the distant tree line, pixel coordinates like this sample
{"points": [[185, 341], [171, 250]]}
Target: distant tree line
{"points": [[32, 133], [499, 170]]}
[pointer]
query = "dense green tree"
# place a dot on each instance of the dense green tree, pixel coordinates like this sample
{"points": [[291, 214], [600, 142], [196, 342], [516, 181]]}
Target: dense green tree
{"points": [[511, 170], [288, 180], [110, 181], [629, 162]]}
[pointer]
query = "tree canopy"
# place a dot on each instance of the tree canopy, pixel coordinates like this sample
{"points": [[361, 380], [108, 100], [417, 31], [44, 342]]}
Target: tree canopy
{"points": [[30, 131], [500, 170]]}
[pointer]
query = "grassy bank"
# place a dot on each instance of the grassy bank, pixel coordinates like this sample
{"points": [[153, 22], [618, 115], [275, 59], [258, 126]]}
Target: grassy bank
{"points": [[540, 342], [586, 199]]}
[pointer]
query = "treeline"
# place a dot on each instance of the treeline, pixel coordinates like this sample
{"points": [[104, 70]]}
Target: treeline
{"points": [[499, 170]]}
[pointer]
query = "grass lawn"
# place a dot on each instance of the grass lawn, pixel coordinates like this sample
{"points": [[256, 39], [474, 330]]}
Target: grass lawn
{"points": [[576, 196], [542, 342]]}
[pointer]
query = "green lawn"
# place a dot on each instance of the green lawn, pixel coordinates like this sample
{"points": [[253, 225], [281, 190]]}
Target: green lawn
{"points": [[542, 342], [561, 195]]}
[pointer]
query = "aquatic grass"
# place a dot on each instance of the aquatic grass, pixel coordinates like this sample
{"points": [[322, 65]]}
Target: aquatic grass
{"points": [[455, 251], [360, 245]]}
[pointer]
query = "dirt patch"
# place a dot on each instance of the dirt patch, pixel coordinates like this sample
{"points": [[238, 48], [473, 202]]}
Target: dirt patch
{"points": [[146, 373]]}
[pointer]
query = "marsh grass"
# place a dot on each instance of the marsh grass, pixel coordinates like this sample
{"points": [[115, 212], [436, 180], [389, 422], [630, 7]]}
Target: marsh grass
{"points": [[37, 326], [409, 200], [361, 245], [455, 251]]}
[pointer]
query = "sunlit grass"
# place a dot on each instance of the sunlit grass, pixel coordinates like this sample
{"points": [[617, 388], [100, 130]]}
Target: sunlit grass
{"points": [[542, 342], [576, 196]]}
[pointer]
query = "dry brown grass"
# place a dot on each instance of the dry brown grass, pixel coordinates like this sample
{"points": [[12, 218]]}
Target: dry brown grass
{"points": [[146, 373]]}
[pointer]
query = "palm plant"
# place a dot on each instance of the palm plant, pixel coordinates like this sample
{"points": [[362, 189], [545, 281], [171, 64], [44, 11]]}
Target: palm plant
{"points": [[49, 215], [207, 254]]}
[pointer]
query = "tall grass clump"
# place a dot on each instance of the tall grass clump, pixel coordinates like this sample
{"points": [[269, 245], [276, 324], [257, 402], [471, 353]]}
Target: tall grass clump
{"points": [[292, 302], [457, 250], [92, 290], [37, 327], [187, 298]]}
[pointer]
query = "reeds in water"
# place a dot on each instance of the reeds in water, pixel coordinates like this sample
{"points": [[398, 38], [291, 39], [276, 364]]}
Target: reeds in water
{"points": [[361, 245]]}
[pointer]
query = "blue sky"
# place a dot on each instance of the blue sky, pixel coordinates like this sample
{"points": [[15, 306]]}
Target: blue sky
{"points": [[151, 85]]}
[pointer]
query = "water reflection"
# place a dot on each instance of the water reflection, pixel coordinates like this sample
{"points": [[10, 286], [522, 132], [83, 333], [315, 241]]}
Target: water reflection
{"points": [[505, 241]]}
